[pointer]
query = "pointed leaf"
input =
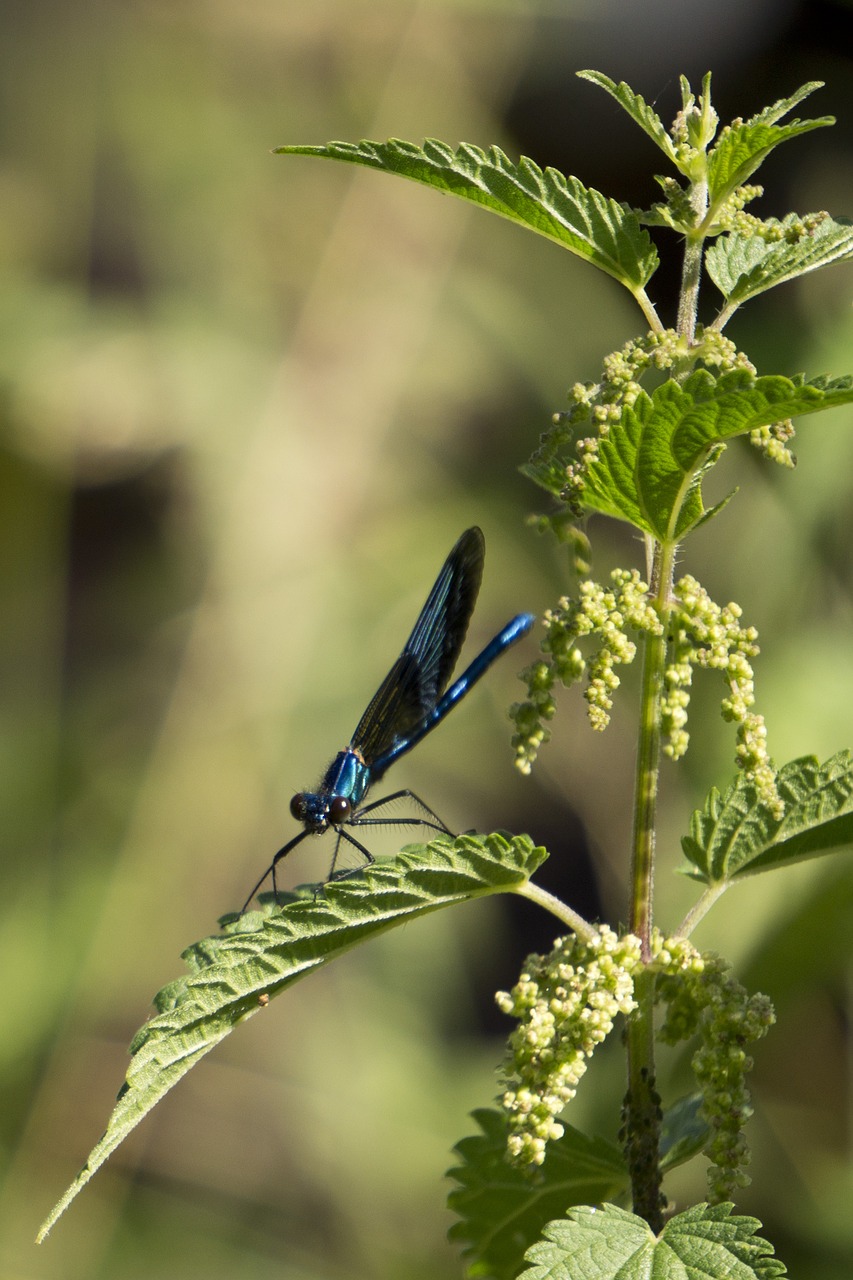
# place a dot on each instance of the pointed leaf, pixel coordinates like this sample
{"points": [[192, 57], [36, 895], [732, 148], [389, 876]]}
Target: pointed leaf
{"points": [[605, 233], [503, 1210], [776, 110], [236, 974], [742, 148], [742, 266], [547, 465], [737, 835], [607, 1244], [650, 464], [638, 109]]}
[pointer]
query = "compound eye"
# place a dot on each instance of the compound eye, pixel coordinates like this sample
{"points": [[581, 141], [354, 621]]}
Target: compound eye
{"points": [[339, 810], [298, 807]]}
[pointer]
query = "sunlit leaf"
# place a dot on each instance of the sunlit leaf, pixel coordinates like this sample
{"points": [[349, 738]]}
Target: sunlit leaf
{"points": [[776, 110], [237, 973], [607, 234], [736, 834], [742, 266], [651, 463], [744, 145], [638, 109], [611, 1244]]}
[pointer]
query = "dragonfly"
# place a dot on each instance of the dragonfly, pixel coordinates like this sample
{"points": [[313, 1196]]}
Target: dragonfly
{"points": [[413, 698]]}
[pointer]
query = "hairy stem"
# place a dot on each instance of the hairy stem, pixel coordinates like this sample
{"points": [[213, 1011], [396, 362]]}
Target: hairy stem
{"points": [[565, 914], [691, 272], [647, 307], [700, 908], [648, 757], [642, 1105], [688, 307], [642, 1111]]}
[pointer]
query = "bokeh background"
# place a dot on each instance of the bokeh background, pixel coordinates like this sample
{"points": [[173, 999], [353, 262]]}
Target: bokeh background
{"points": [[247, 404]]}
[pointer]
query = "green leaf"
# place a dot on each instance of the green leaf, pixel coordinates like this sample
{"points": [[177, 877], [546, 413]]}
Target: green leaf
{"points": [[234, 975], [605, 233], [683, 1131], [737, 835], [776, 110], [547, 466], [651, 463], [638, 109], [742, 266], [503, 1210], [744, 145], [705, 1241]]}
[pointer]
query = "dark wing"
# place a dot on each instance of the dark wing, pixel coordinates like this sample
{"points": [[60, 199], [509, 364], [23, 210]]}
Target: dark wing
{"points": [[392, 710], [440, 631], [421, 673]]}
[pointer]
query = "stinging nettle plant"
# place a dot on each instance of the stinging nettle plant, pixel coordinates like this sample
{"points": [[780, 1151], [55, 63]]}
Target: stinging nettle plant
{"points": [[535, 1197]]}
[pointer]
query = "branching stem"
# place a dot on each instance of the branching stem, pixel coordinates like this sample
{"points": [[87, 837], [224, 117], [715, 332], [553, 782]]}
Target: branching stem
{"points": [[700, 909], [565, 914]]}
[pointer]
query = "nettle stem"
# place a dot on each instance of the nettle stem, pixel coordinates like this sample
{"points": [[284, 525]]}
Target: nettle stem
{"points": [[642, 1113], [642, 1105], [648, 755], [690, 278], [691, 271], [587, 932]]}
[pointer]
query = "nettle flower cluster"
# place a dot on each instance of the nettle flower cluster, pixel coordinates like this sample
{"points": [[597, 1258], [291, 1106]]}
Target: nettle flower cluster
{"points": [[704, 634], [791, 229], [567, 1003], [601, 403], [700, 634], [677, 211], [710, 1003], [597, 612]]}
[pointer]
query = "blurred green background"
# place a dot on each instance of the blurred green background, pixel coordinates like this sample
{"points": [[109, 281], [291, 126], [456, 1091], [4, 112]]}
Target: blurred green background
{"points": [[247, 405]]}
